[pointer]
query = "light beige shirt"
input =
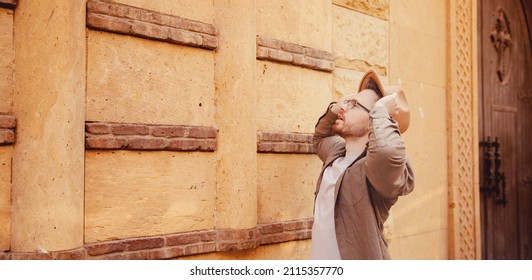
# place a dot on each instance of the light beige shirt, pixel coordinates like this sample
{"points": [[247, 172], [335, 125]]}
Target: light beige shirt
{"points": [[324, 245]]}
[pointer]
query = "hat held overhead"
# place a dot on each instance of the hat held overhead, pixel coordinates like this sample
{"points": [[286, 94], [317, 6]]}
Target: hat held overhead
{"points": [[371, 80]]}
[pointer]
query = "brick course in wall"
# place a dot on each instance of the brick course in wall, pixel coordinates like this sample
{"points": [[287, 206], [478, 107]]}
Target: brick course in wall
{"points": [[180, 244], [289, 53], [8, 124], [128, 20], [284, 142], [120, 136], [10, 4]]}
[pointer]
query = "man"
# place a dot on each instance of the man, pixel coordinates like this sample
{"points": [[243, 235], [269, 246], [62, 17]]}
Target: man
{"points": [[365, 171]]}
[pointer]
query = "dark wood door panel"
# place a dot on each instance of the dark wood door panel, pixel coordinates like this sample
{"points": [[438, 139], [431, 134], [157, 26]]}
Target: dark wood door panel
{"points": [[505, 100]]}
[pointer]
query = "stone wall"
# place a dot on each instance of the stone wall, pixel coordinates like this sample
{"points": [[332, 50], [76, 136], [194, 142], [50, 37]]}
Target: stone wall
{"points": [[48, 103], [133, 87], [151, 72], [7, 119], [183, 129]]}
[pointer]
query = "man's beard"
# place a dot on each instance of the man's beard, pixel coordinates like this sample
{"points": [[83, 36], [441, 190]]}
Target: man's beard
{"points": [[349, 130]]}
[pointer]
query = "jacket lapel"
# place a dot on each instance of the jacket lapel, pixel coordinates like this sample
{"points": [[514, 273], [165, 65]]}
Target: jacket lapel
{"points": [[334, 155], [341, 179]]}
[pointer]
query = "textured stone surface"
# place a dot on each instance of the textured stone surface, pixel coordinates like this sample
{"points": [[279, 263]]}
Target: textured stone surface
{"points": [[295, 250], [346, 81], [135, 194], [376, 8], [236, 115], [290, 53], [6, 101], [197, 10], [7, 56], [48, 102], [131, 80], [290, 104], [360, 41], [417, 57], [279, 173], [303, 22], [138, 22], [430, 245], [5, 197], [430, 17]]}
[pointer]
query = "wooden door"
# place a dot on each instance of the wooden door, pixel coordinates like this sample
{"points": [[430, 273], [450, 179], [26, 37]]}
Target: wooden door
{"points": [[505, 108]]}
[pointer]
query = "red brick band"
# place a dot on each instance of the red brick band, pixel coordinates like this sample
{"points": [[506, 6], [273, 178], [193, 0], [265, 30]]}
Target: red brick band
{"points": [[119, 136], [284, 142], [10, 4], [128, 20], [8, 124], [285, 52], [181, 244]]}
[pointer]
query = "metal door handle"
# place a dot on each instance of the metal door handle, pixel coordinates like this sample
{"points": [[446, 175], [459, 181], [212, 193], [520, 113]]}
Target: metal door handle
{"points": [[494, 179]]}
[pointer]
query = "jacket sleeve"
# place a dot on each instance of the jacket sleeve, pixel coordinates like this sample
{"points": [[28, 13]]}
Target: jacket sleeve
{"points": [[325, 140], [387, 166]]}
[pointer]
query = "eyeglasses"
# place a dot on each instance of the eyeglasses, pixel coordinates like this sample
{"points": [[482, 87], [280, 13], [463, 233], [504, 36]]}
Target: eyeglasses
{"points": [[353, 102]]}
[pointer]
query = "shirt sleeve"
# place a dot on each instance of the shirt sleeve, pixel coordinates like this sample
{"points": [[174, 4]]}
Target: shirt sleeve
{"points": [[324, 139], [387, 166]]}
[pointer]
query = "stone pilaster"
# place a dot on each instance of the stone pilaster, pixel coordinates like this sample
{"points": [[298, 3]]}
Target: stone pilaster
{"points": [[49, 104], [235, 99], [464, 215]]}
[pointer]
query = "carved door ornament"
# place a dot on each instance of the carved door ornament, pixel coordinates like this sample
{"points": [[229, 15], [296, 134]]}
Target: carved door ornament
{"points": [[501, 38]]}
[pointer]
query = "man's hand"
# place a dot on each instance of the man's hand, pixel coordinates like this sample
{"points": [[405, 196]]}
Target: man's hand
{"points": [[390, 103]]}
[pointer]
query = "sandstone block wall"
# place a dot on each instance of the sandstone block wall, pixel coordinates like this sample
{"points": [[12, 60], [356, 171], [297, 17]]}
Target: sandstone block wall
{"points": [[150, 89], [48, 103], [143, 80], [6, 60], [7, 119], [188, 127]]}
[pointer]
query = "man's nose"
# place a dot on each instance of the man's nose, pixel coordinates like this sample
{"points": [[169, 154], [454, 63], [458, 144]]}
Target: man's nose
{"points": [[343, 107]]}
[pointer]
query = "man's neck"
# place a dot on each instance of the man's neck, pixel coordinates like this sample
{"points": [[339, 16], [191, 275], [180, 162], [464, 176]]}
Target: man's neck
{"points": [[356, 145]]}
